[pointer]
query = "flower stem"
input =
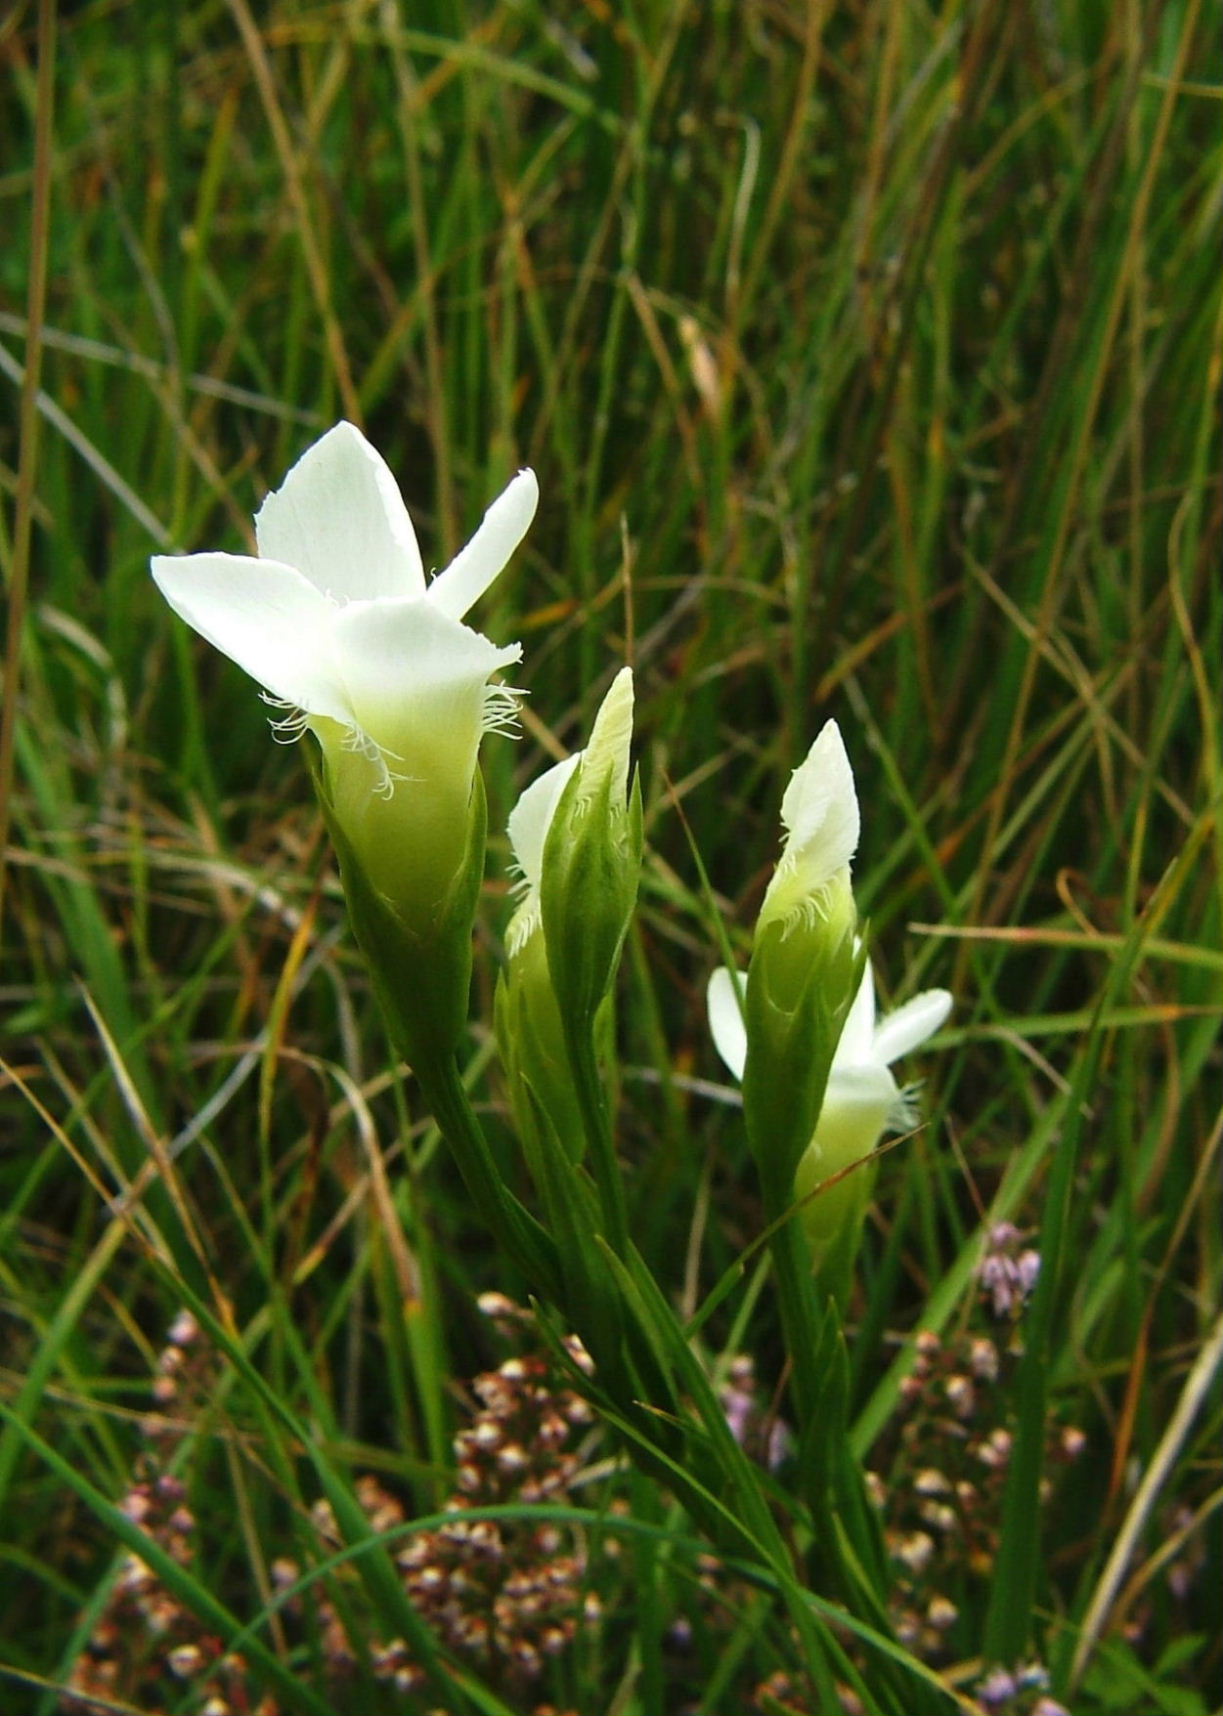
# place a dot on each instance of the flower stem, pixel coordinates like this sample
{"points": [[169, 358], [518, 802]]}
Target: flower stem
{"points": [[792, 1279], [846, 1532], [596, 1123], [527, 1244]]}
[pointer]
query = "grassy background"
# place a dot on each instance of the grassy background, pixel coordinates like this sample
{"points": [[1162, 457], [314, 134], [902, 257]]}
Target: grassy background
{"points": [[869, 357]]}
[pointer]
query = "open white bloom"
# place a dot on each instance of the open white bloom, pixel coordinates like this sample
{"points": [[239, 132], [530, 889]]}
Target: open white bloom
{"points": [[335, 619], [862, 1100], [820, 815]]}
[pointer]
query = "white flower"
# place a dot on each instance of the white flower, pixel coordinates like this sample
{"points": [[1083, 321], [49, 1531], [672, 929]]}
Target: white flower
{"points": [[336, 621], [604, 763], [820, 815], [862, 1099]]}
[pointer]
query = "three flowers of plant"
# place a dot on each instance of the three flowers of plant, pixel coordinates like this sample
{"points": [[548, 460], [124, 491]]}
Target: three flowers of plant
{"points": [[336, 620]]}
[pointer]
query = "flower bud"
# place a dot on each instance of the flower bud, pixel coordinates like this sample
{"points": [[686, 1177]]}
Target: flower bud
{"points": [[817, 1090], [591, 864], [577, 890], [806, 962]]}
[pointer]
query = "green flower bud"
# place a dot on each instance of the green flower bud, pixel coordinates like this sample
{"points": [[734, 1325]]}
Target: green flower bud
{"points": [[591, 864], [597, 864], [532, 1043], [806, 963], [576, 834]]}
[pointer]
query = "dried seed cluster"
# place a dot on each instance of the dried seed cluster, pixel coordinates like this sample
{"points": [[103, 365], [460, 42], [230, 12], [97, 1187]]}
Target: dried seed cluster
{"points": [[942, 1502], [1009, 1270], [144, 1637], [1023, 1692], [506, 1595], [941, 1508], [781, 1695]]}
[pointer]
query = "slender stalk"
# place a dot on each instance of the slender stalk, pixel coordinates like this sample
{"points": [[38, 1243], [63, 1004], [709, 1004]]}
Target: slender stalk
{"points": [[796, 1302], [530, 1248], [596, 1122], [28, 457], [829, 1475]]}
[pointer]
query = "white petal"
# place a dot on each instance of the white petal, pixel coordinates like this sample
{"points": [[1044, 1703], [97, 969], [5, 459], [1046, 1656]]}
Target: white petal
{"points": [[267, 618], [910, 1025], [340, 519], [474, 568], [820, 809], [726, 1019], [858, 1033], [857, 1103], [531, 818], [860, 1087], [416, 682]]}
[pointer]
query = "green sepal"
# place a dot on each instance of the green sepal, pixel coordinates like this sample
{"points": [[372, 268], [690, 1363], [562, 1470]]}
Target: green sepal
{"points": [[531, 1038], [588, 890], [591, 868], [800, 986]]}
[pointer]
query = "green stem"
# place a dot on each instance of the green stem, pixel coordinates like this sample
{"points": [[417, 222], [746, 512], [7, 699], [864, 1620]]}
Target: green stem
{"points": [[828, 1472], [792, 1278], [528, 1245], [596, 1123]]}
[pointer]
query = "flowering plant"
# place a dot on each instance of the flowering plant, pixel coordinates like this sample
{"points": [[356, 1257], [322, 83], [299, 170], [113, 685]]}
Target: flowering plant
{"points": [[336, 620]]}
